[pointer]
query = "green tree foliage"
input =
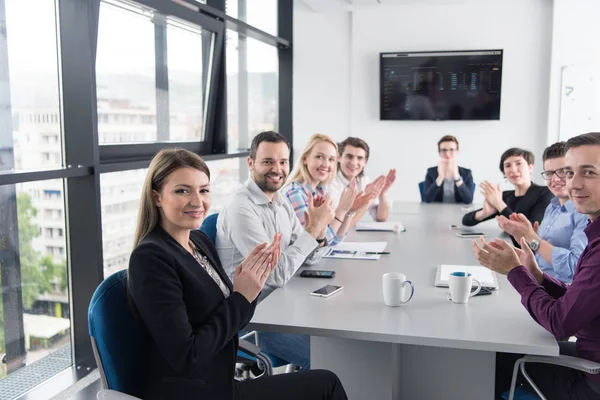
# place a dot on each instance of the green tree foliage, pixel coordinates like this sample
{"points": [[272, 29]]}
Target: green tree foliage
{"points": [[37, 272]]}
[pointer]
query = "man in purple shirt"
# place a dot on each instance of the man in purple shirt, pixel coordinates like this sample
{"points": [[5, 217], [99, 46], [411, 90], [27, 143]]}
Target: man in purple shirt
{"points": [[564, 310]]}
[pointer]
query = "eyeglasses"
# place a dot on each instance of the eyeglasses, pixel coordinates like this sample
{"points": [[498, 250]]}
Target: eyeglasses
{"points": [[447, 150], [561, 173]]}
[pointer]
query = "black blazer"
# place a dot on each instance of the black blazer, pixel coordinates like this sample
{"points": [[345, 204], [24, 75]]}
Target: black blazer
{"points": [[533, 204], [194, 329], [435, 193]]}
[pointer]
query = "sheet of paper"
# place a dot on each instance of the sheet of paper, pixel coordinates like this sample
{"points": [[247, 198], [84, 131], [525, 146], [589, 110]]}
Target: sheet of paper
{"points": [[356, 250], [482, 274], [380, 226]]}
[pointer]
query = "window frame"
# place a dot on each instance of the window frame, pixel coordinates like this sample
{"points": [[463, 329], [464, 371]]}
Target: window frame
{"points": [[84, 159]]}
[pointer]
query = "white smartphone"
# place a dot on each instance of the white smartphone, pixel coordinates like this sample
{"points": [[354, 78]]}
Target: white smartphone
{"points": [[327, 291]]}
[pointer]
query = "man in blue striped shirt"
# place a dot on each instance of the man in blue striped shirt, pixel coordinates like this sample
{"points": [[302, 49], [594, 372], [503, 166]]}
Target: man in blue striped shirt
{"points": [[560, 239]]}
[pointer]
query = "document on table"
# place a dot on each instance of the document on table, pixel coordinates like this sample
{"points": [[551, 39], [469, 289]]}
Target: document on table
{"points": [[380, 226], [357, 250], [485, 276]]}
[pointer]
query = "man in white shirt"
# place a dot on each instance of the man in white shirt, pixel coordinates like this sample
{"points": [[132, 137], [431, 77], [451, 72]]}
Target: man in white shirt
{"points": [[257, 211], [354, 154]]}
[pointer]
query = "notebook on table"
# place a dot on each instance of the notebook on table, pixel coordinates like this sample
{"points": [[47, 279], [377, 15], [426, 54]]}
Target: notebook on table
{"points": [[487, 278]]}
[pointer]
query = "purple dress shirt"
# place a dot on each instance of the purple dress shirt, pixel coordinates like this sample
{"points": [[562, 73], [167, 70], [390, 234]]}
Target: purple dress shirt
{"points": [[567, 310]]}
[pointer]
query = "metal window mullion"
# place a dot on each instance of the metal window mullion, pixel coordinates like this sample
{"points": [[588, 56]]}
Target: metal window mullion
{"points": [[285, 29], [10, 263], [217, 136], [78, 33], [162, 77]]}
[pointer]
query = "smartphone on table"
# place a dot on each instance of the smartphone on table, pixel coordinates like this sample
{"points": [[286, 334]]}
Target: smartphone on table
{"points": [[327, 291], [469, 234], [313, 273]]}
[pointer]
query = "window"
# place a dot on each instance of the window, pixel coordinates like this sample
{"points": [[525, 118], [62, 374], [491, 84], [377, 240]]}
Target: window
{"points": [[120, 203], [44, 326], [32, 63], [259, 13], [186, 105], [151, 79], [252, 102], [151, 88], [125, 67]]}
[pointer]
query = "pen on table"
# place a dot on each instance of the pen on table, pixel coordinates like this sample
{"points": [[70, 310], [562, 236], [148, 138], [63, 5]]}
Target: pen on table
{"points": [[375, 252]]}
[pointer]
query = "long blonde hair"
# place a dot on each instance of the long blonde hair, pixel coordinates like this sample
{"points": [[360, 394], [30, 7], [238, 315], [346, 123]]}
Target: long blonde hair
{"points": [[163, 164], [300, 172]]}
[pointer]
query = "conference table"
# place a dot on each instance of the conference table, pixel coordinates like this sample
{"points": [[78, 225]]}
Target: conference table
{"points": [[429, 348]]}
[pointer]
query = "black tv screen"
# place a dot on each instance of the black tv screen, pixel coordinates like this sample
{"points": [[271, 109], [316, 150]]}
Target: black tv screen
{"points": [[441, 85]]}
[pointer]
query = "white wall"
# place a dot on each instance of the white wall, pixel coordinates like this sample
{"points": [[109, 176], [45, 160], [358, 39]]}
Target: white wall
{"points": [[336, 81], [575, 33]]}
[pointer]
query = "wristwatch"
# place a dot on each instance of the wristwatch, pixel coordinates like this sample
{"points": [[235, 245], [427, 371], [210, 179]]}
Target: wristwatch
{"points": [[321, 241], [534, 245]]}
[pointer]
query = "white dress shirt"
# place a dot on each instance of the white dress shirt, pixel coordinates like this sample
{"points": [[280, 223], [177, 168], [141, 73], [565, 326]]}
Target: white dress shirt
{"points": [[250, 219]]}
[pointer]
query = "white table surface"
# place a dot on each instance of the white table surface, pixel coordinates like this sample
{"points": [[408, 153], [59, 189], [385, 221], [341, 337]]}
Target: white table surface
{"points": [[496, 323]]}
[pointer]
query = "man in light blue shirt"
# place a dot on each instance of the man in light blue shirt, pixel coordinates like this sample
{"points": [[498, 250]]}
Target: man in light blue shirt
{"points": [[559, 240]]}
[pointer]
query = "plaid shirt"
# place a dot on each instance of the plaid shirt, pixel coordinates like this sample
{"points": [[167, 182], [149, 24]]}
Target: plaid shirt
{"points": [[297, 194]]}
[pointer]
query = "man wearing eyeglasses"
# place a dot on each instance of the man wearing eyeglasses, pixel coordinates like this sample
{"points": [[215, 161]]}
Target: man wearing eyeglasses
{"points": [[448, 183], [560, 239]]}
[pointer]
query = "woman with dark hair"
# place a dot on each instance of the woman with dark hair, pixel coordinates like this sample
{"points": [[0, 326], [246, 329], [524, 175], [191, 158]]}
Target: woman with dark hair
{"points": [[185, 300], [527, 198]]}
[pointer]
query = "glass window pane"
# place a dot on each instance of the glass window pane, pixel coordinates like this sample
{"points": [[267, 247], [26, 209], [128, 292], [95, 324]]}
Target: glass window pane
{"points": [[120, 197], [125, 79], [29, 101], [186, 80], [34, 318], [252, 89], [261, 14], [152, 73]]}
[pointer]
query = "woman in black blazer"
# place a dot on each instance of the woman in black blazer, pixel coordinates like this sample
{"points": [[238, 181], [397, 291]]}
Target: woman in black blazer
{"points": [[187, 303], [527, 198]]}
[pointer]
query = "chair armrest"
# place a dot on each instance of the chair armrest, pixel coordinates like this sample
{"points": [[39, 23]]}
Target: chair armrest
{"points": [[249, 348], [107, 394], [579, 364]]}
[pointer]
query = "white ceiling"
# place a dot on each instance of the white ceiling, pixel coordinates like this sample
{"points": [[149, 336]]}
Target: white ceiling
{"points": [[332, 5]]}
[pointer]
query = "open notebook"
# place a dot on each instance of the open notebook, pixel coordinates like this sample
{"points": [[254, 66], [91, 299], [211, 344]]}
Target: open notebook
{"points": [[487, 278]]}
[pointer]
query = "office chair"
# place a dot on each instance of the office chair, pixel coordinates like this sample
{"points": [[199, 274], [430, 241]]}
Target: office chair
{"points": [[209, 227], [121, 344], [579, 364]]}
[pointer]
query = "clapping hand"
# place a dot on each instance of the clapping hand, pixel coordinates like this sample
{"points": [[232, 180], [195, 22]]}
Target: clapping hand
{"points": [[496, 255], [390, 178], [518, 226], [492, 194], [250, 276], [320, 213]]}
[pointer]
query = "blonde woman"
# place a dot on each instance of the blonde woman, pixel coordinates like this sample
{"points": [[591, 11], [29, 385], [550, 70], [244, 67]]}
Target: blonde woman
{"points": [[315, 169], [185, 300]]}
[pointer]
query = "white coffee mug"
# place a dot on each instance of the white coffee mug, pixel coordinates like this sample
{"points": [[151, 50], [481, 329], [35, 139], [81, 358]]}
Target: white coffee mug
{"points": [[394, 287], [460, 287]]}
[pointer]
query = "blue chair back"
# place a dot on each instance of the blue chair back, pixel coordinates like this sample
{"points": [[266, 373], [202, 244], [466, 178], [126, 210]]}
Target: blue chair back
{"points": [[121, 344], [422, 190], [209, 227]]}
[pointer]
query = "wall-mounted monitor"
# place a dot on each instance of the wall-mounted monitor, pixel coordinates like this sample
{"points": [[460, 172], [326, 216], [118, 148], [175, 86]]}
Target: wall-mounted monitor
{"points": [[441, 85]]}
